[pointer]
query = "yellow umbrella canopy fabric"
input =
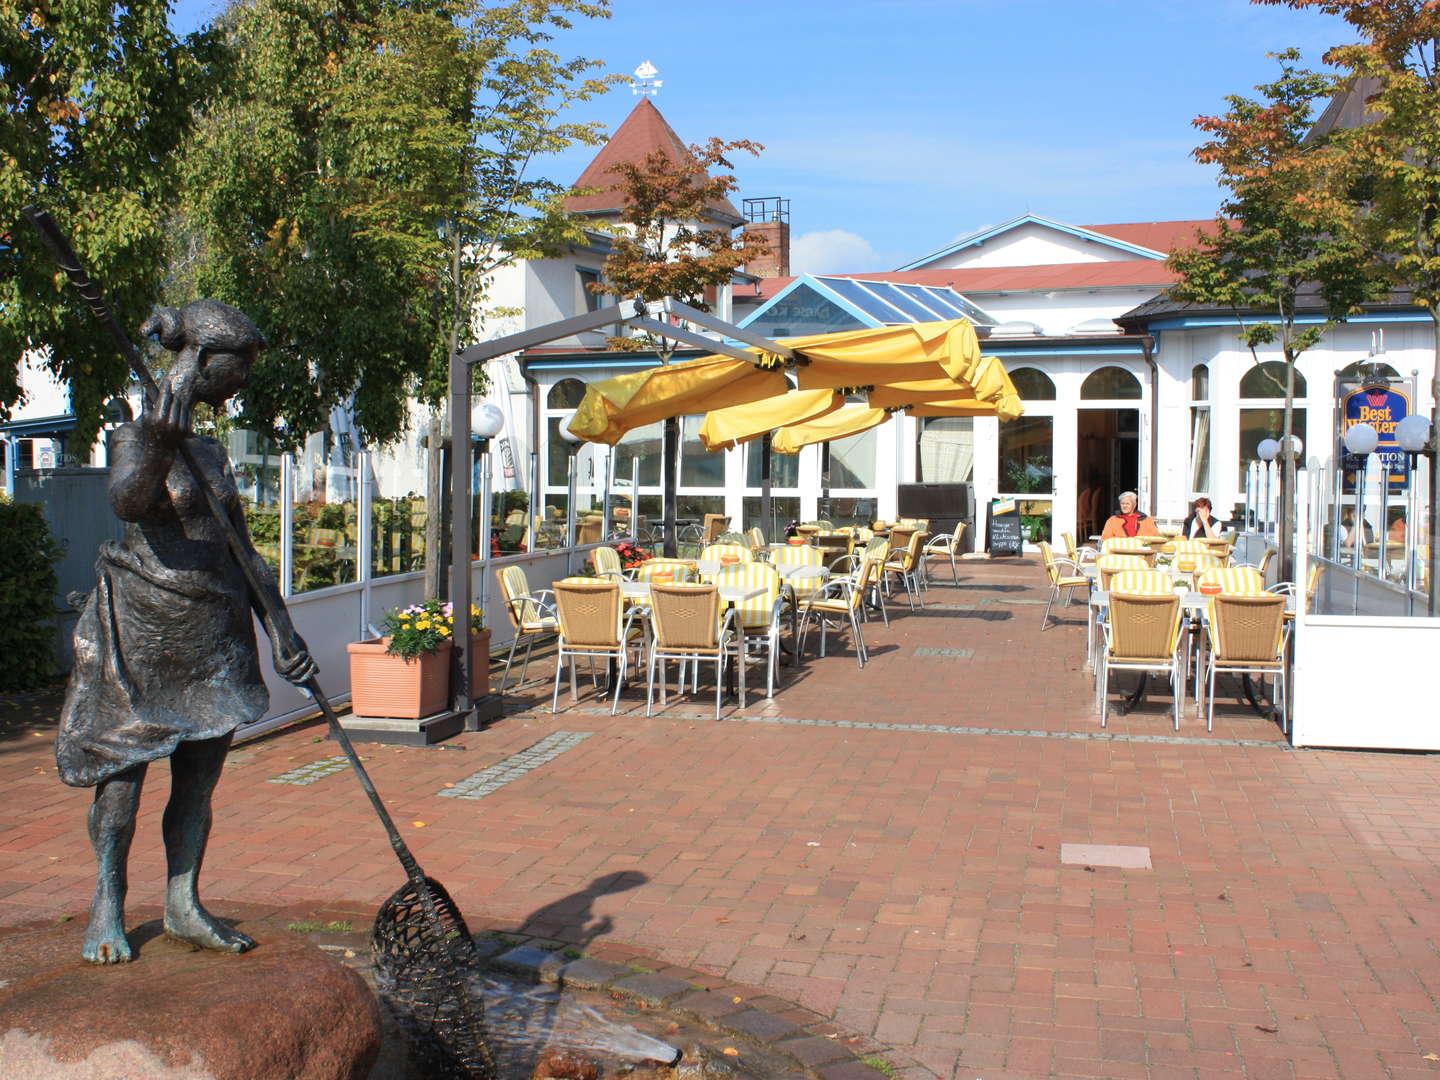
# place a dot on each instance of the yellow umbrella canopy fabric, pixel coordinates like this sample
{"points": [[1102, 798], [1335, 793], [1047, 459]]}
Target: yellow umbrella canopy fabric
{"points": [[992, 387], [890, 354], [612, 407], [726, 428], [845, 421]]}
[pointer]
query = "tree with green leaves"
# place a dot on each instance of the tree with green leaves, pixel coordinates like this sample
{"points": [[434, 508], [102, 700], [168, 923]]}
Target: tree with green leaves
{"points": [[98, 97], [1278, 234], [670, 243], [362, 182], [1389, 166]]}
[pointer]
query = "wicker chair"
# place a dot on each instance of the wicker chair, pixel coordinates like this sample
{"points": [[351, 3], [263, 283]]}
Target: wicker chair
{"points": [[905, 565], [593, 624], [833, 546], [714, 525], [841, 602], [759, 616], [798, 590], [1264, 563], [687, 626], [1246, 637], [946, 544], [1142, 633], [589, 531], [849, 569], [530, 615], [755, 537], [1061, 582], [1077, 555]]}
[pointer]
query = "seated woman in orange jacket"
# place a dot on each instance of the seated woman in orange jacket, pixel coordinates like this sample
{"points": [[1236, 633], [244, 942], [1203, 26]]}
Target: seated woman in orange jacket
{"points": [[1129, 521]]}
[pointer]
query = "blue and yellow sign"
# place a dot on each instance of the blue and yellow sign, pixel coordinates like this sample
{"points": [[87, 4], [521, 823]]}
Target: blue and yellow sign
{"points": [[1382, 408]]}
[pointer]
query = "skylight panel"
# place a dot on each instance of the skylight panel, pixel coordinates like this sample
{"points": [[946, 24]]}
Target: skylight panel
{"points": [[866, 301]]}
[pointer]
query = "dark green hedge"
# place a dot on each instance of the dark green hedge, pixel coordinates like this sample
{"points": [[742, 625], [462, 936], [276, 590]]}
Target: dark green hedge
{"points": [[27, 598]]}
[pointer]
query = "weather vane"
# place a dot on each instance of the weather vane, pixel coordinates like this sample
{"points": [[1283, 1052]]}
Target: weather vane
{"points": [[645, 83]]}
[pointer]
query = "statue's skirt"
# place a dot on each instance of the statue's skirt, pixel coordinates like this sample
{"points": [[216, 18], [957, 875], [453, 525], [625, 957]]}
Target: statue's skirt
{"points": [[162, 656]]}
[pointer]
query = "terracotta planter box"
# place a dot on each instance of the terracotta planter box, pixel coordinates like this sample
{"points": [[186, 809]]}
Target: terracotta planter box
{"points": [[480, 665], [386, 685]]}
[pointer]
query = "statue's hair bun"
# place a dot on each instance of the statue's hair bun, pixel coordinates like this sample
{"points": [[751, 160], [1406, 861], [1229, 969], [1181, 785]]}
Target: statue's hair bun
{"points": [[168, 324]]}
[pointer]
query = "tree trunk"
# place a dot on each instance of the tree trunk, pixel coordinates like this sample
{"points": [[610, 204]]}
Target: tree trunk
{"points": [[671, 477], [1286, 536], [1432, 533]]}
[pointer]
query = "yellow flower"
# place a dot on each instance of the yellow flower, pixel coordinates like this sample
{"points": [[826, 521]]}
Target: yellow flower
{"points": [[423, 624]]}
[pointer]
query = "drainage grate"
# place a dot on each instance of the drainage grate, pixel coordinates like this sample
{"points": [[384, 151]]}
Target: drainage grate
{"points": [[316, 770], [949, 654], [494, 777]]}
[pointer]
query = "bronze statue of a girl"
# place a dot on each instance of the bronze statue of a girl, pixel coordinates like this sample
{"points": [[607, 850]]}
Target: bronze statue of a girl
{"points": [[165, 656]]}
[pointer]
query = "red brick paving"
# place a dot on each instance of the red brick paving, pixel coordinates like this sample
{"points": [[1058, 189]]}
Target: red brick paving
{"points": [[907, 884]]}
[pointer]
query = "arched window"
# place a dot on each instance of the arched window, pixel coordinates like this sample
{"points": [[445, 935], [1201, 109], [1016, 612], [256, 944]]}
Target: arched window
{"points": [[1110, 383], [1267, 380], [566, 394], [1200, 383], [1033, 385], [1380, 369]]}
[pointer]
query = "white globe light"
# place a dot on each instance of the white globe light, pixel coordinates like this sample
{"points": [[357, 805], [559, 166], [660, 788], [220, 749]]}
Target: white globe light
{"points": [[1413, 433], [486, 421], [1297, 445], [568, 435], [1361, 439], [1267, 449]]}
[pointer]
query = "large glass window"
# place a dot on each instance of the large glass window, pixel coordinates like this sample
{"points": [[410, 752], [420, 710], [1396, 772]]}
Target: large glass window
{"points": [[852, 461], [1033, 385], [784, 468], [783, 510], [1200, 383], [1384, 370], [397, 509], [1257, 425], [645, 445], [324, 531], [699, 467], [1110, 384], [1267, 380], [565, 394], [947, 450], [1026, 456], [1200, 449]]}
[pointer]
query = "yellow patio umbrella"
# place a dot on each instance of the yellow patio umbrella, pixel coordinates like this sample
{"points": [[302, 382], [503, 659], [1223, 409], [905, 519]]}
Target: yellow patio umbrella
{"points": [[850, 419], [889, 354], [992, 384], [723, 429], [612, 407]]}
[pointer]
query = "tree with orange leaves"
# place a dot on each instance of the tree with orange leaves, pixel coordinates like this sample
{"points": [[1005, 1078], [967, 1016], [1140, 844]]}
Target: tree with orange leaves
{"points": [[1389, 165], [1280, 232]]}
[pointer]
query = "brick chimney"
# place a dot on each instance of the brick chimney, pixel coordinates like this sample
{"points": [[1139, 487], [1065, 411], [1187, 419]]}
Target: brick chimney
{"points": [[769, 219]]}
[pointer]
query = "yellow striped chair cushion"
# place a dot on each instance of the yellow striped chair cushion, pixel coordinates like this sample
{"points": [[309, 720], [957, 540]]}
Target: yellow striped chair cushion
{"points": [[796, 555], [1234, 580], [1125, 543], [1148, 582], [1197, 560], [606, 562], [755, 612], [1121, 562], [717, 552], [677, 569]]}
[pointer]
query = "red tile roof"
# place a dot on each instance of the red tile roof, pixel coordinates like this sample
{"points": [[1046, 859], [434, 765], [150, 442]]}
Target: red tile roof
{"points": [[1161, 236], [643, 132]]}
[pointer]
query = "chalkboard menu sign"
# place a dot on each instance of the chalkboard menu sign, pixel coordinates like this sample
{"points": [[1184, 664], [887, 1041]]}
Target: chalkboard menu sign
{"points": [[1004, 528]]}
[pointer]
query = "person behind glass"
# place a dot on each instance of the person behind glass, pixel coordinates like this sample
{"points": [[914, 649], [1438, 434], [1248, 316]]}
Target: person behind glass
{"points": [[1202, 523], [1130, 521]]}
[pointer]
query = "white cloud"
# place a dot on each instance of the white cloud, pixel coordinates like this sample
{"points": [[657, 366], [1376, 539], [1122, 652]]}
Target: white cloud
{"points": [[832, 251]]}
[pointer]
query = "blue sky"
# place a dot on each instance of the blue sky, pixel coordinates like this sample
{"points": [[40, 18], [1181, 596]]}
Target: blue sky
{"points": [[895, 127]]}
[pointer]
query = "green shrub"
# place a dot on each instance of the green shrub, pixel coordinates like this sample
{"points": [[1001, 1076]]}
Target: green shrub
{"points": [[27, 598]]}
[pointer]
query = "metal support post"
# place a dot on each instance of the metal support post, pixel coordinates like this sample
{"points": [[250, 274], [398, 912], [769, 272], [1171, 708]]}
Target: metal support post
{"points": [[461, 496]]}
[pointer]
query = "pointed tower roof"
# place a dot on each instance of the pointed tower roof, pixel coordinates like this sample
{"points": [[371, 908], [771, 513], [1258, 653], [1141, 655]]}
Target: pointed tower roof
{"points": [[643, 132]]}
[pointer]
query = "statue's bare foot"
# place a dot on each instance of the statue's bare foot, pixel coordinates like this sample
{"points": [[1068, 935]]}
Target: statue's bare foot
{"points": [[194, 925], [105, 941]]}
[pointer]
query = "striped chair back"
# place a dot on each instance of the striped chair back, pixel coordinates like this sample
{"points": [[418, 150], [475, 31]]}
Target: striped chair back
{"points": [[1122, 544], [665, 570], [1195, 547], [1108, 565], [1144, 582], [1198, 560], [758, 610], [719, 552], [606, 561], [513, 583], [1233, 580], [801, 555]]}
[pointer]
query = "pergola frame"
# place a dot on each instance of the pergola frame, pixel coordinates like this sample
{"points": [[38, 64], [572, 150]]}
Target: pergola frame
{"points": [[632, 312]]}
